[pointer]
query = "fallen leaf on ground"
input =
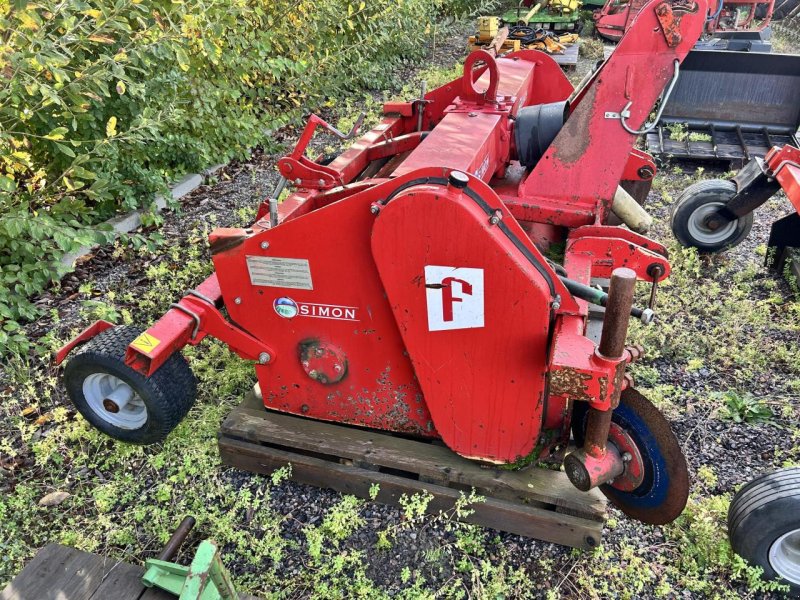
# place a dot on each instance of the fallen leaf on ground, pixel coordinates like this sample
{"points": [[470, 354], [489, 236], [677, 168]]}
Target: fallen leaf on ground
{"points": [[54, 499], [45, 418]]}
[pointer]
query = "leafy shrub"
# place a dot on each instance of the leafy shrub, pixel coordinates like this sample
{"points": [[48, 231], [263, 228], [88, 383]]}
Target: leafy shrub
{"points": [[744, 408], [103, 102]]}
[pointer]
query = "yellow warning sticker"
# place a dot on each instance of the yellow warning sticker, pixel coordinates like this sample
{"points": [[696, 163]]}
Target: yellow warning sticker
{"points": [[145, 343]]}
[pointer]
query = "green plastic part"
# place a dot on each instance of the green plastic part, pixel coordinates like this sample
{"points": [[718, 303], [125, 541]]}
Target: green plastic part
{"points": [[543, 17], [205, 579], [165, 575]]}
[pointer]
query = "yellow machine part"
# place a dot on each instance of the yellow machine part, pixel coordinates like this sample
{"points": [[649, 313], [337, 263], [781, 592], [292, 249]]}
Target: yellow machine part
{"points": [[487, 28], [564, 6], [508, 45]]}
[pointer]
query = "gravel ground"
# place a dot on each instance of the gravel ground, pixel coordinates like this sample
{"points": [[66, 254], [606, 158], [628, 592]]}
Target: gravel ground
{"points": [[737, 452]]}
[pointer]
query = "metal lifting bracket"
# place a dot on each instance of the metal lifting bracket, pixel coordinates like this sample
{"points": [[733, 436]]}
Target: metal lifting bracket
{"points": [[648, 127]]}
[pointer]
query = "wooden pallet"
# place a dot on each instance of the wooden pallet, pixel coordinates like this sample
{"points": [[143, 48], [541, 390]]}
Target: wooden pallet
{"points": [[534, 502], [63, 573]]}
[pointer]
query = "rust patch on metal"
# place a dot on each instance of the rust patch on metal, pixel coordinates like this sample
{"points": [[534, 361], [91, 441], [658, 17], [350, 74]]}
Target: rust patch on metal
{"points": [[571, 383], [670, 20], [573, 139], [223, 243], [619, 377], [603, 383]]}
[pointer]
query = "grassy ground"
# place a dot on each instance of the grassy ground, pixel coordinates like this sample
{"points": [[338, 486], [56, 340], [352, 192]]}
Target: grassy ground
{"points": [[723, 363]]}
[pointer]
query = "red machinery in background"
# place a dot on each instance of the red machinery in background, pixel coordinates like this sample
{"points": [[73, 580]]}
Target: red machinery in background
{"points": [[727, 16], [403, 286]]}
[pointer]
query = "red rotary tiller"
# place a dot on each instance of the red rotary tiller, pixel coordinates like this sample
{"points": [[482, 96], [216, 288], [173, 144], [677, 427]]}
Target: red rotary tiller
{"points": [[402, 286]]}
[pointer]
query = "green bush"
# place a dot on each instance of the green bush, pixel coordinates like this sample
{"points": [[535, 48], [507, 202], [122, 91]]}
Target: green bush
{"points": [[103, 102]]}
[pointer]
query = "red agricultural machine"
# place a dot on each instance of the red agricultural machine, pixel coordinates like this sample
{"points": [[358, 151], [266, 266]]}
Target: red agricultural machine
{"points": [[403, 287], [727, 17]]}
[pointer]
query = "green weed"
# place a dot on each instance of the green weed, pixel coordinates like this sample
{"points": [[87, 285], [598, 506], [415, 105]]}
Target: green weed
{"points": [[744, 408]]}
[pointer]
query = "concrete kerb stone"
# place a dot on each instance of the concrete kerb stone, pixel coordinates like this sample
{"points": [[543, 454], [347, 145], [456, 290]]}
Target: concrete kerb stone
{"points": [[132, 220]]}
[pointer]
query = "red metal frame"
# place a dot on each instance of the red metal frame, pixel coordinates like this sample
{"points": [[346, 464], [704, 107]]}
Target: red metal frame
{"points": [[334, 304], [784, 164], [84, 336]]}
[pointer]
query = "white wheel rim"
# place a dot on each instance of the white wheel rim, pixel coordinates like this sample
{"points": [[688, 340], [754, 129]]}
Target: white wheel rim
{"points": [[784, 556], [114, 401], [701, 232]]}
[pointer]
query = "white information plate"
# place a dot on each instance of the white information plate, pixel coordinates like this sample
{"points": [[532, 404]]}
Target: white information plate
{"points": [[271, 271]]}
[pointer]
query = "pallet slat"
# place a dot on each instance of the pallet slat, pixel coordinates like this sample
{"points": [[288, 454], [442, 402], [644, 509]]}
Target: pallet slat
{"points": [[59, 572], [533, 502], [62, 573]]}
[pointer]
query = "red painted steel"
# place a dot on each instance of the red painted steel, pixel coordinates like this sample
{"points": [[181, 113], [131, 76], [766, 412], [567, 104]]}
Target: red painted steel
{"points": [[784, 164], [590, 153], [482, 381], [404, 287], [92, 330], [617, 16]]}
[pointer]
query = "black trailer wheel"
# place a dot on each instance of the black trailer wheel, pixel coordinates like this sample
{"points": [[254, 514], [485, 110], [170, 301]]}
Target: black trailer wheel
{"points": [[121, 402], [781, 9], [764, 525], [695, 205]]}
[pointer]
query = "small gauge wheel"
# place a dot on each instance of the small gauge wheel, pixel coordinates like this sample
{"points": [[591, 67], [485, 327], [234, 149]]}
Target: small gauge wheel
{"points": [[120, 401], [691, 212], [664, 489]]}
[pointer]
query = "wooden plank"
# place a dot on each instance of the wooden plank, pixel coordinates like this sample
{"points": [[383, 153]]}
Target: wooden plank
{"points": [[251, 422], [496, 513], [123, 581], [84, 577], [62, 573], [156, 594], [424, 458], [59, 572], [49, 565]]}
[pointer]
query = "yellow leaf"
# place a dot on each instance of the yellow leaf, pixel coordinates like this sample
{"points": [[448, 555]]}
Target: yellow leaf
{"points": [[111, 127], [102, 39], [28, 22], [93, 12]]}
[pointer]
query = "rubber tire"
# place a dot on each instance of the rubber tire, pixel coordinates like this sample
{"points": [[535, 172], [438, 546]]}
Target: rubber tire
{"points": [[781, 10], [168, 393], [695, 196], [760, 513]]}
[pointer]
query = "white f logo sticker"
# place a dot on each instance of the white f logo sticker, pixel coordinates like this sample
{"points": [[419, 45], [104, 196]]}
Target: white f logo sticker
{"points": [[455, 297]]}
